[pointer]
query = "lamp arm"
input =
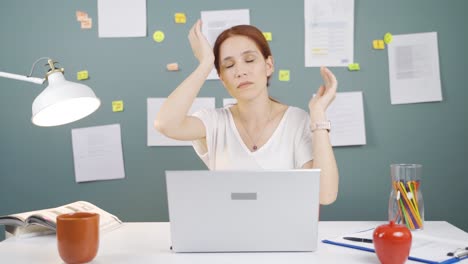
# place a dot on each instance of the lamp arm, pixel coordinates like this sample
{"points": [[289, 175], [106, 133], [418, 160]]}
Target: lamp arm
{"points": [[22, 77], [27, 78]]}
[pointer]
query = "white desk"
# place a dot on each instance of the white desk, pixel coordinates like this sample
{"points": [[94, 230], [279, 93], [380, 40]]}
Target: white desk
{"points": [[150, 242]]}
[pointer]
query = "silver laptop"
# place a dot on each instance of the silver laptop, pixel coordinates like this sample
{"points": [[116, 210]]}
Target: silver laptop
{"points": [[239, 211]]}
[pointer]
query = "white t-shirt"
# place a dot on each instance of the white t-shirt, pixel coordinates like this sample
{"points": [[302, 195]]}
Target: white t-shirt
{"points": [[290, 146]]}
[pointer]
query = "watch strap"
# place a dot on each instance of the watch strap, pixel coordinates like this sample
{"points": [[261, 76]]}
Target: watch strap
{"points": [[325, 125]]}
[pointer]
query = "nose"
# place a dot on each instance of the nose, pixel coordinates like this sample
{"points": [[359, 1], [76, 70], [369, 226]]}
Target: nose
{"points": [[240, 71], [238, 75]]}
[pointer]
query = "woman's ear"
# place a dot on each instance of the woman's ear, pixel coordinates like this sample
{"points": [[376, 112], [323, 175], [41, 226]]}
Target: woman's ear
{"points": [[270, 66]]}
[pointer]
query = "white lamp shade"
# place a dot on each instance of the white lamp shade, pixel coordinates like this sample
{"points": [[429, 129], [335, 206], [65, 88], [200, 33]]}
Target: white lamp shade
{"points": [[63, 102]]}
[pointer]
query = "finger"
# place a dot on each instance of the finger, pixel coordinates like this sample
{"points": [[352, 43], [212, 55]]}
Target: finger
{"points": [[192, 30], [323, 73], [332, 78], [198, 29], [320, 91], [194, 25], [329, 95]]}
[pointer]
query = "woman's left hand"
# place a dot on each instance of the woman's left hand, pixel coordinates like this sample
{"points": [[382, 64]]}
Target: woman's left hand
{"points": [[325, 94]]}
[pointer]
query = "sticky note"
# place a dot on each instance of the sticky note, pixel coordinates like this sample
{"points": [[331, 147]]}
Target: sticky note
{"points": [[284, 75], [81, 16], [378, 44], [172, 66], [388, 37], [158, 36], [82, 75], [87, 23], [180, 18], [354, 67], [117, 106], [268, 36]]}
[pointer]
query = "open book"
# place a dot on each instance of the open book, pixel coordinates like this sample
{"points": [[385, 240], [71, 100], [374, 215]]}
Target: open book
{"points": [[43, 222]]}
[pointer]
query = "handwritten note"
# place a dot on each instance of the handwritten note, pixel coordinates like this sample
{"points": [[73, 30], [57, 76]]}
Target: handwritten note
{"points": [[81, 16], [354, 67], [268, 36], [117, 106], [388, 38], [284, 75], [82, 75], [87, 23], [180, 18], [172, 66], [378, 44]]}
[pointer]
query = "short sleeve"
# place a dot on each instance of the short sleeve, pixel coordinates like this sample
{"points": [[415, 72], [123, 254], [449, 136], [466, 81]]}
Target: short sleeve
{"points": [[209, 120], [303, 151]]}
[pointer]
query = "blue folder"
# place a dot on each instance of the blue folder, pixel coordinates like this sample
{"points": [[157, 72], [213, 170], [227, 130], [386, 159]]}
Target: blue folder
{"points": [[447, 261]]}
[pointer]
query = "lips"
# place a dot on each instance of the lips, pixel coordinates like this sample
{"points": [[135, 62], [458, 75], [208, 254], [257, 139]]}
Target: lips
{"points": [[243, 85]]}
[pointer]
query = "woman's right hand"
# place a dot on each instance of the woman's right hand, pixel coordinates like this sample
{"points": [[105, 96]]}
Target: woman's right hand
{"points": [[200, 46]]}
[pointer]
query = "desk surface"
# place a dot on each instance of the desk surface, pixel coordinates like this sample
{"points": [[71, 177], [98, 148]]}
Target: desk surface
{"points": [[149, 243]]}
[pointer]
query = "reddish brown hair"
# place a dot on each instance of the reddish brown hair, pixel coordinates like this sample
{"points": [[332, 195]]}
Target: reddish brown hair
{"points": [[249, 31]]}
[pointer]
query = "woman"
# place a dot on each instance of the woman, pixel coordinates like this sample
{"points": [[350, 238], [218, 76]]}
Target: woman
{"points": [[257, 132]]}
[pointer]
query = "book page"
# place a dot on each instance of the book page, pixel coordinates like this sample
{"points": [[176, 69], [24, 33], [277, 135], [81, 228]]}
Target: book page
{"points": [[20, 216], [48, 217], [27, 231]]}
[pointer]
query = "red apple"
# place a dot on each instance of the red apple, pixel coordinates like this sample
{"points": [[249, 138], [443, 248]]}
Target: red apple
{"points": [[392, 243]]}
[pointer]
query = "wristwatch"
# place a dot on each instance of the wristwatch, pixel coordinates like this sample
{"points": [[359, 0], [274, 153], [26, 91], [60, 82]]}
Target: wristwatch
{"points": [[326, 125]]}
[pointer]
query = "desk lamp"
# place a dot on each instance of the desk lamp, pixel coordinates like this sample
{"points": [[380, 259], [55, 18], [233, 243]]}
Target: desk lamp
{"points": [[61, 102]]}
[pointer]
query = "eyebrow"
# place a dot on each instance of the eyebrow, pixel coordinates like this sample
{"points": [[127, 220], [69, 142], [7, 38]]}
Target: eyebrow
{"points": [[243, 53]]}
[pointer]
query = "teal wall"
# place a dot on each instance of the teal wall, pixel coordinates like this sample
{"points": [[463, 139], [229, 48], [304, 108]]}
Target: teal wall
{"points": [[36, 164]]}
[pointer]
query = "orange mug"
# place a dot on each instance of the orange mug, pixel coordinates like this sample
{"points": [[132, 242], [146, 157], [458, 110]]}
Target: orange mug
{"points": [[78, 237]]}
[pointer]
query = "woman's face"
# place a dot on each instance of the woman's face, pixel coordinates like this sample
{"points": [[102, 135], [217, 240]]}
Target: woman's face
{"points": [[243, 70]]}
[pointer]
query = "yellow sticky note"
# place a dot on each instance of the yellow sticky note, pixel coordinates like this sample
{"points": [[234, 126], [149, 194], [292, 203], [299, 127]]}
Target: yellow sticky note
{"points": [[284, 75], [158, 36], [117, 106], [268, 36], [82, 75], [388, 37], [180, 18], [378, 44], [354, 67]]}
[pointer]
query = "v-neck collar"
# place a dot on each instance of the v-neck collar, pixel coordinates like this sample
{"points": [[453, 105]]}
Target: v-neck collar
{"points": [[239, 138]]}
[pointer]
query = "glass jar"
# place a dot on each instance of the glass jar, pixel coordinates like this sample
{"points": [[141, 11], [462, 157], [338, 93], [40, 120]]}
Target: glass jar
{"points": [[406, 204]]}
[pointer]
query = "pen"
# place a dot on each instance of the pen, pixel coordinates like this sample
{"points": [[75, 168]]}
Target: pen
{"points": [[358, 239]]}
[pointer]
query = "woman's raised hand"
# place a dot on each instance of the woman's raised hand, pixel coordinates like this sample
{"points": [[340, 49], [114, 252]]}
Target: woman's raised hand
{"points": [[200, 46], [325, 94]]}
